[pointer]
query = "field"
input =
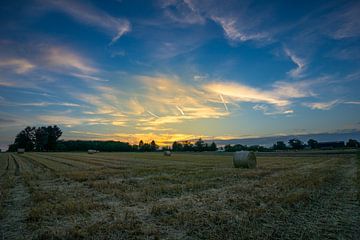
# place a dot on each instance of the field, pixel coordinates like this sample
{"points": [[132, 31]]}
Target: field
{"points": [[185, 196]]}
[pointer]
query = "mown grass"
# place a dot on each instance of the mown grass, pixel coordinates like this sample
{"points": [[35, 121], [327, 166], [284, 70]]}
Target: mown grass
{"points": [[7, 179], [149, 196]]}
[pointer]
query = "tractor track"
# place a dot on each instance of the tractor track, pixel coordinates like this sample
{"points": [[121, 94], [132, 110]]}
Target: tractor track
{"points": [[16, 207]]}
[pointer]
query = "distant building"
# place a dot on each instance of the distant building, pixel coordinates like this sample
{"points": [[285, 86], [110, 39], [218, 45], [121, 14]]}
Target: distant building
{"points": [[331, 145]]}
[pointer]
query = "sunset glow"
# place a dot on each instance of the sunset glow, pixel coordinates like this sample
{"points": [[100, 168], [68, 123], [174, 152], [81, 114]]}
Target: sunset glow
{"points": [[179, 70]]}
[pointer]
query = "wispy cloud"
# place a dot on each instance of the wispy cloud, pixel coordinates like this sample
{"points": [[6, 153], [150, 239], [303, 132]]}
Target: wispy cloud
{"points": [[75, 121], [280, 96], [46, 104], [7, 83], [353, 102], [299, 89], [245, 93], [344, 22], [182, 11], [89, 77], [20, 66], [300, 63], [92, 16], [233, 32], [64, 59], [322, 105], [267, 111]]}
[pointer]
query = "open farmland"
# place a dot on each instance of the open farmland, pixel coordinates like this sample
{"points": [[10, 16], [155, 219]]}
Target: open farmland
{"points": [[185, 196]]}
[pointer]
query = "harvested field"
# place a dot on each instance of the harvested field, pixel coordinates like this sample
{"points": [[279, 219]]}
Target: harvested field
{"points": [[185, 196]]}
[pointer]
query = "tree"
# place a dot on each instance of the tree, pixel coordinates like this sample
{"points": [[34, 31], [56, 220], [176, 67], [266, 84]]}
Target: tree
{"points": [[313, 144], [352, 143], [279, 145], [141, 145], [53, 133], [199, 145], [26, 139], [41, 138], [296, 144], [213, 146], [153, 146], [187, 146], [177, 146]]}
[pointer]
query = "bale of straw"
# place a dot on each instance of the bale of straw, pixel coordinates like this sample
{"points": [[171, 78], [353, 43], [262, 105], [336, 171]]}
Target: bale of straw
{"points": [[167, 153], [21, 150], [90, 151], [244, 159]]}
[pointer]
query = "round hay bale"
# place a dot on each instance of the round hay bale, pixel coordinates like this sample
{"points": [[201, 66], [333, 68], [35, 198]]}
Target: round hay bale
{"points": [[167, 153], [91, 151], [244, 159]]}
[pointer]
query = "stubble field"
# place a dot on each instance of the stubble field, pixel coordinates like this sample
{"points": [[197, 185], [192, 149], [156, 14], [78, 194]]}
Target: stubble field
{"points": [[185, 196]]}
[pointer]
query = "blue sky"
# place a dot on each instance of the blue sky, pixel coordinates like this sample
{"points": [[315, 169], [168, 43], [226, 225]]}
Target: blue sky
{"points": [[174, 70]]}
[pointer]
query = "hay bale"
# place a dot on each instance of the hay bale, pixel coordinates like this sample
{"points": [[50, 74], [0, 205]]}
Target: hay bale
{"points": [[244, 159], [90, 151], [21, 150], [167, 153]]}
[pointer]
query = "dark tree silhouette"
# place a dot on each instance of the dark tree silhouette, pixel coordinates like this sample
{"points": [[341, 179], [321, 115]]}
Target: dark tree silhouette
{"points": [[153, 146], [53, 133], [199, 145], [141, 145], [26, 139], [352, 143], [313, 144], [213, 146], [296, 144], [41, 138], [279, 145]]}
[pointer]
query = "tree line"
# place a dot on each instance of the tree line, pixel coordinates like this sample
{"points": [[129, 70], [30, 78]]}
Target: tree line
{"points": [[39, 139], [46, 138], [294, 144], [198, 146]]}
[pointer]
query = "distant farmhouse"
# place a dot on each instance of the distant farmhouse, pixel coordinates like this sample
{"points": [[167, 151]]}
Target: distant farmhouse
{"points": [[331, 145]]}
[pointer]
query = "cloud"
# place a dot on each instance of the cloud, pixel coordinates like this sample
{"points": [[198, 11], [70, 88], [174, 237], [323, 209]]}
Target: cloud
{"points": [[245, 93], [353, 102], [89, 15], [300, 63], [20, 66], [74, 121], [154, 101], [89, 77], [46, 104], [162, 139], [280, 95], [233, 32], [61, 58], [236, 18], [299, 89], [345, 21], [182, 11], [267, 111], [322, 105], [7, 83]]}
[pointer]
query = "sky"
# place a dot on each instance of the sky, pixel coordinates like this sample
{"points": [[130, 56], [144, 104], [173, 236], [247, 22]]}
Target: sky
{"points": [[175, 70]]}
